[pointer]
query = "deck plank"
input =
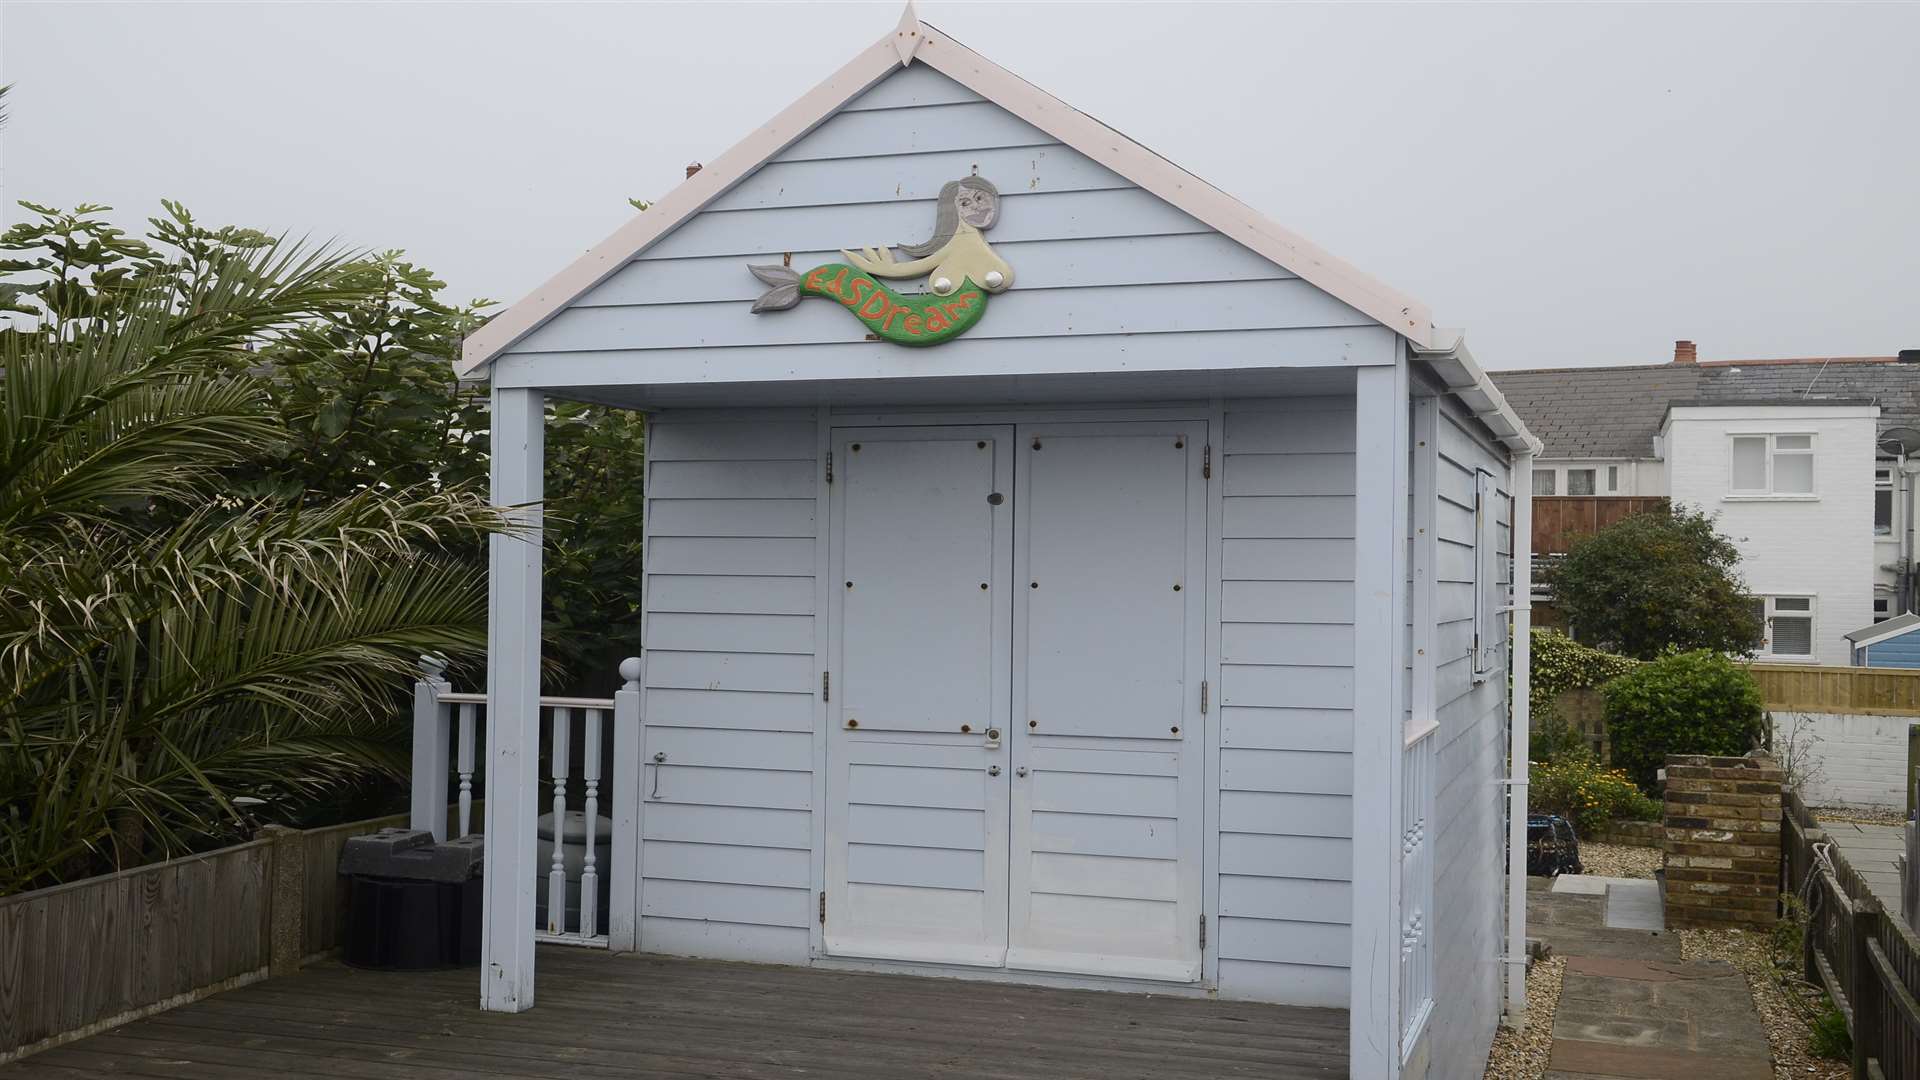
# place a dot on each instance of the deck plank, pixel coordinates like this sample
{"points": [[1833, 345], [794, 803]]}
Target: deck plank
{"points": [[601, 1016]]}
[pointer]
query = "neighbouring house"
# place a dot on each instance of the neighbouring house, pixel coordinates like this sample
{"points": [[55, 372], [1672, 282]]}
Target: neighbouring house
{"points": [[1111, 591], [1809, 464]]}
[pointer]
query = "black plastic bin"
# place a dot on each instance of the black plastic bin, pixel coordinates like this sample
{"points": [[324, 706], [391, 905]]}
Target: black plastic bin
{"points": [[412, 903]]}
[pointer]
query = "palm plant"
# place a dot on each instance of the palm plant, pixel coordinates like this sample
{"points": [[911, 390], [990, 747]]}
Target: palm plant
{"points": [[164, 646]]}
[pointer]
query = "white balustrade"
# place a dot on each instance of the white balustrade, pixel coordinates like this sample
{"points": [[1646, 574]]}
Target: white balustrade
{"points": [[1416, 886], [447, 735]]}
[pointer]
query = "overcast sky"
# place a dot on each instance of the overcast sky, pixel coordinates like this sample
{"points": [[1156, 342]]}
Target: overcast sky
{"points": [[1572, 184]]}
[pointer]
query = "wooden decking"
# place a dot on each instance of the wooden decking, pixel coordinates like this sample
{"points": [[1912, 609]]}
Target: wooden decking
{"points": [[603, 1016]]}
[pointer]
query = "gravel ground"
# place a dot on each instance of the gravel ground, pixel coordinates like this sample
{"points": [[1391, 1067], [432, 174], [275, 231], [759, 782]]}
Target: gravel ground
{"points": [[1523, 1055], [1619, 860], [1784, 1002], [1859, 815]]}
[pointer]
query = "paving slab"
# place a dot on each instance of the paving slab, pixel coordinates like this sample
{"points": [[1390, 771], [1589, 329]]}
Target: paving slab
{"points": [[1635, 904], [1630, 1007]]}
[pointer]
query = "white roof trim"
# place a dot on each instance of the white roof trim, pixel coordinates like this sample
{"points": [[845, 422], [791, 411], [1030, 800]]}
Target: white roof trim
{"points": [[1454, 366], [1885, 629], [1232, 218]]}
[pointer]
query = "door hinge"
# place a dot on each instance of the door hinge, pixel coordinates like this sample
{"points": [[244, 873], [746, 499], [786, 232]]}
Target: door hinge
{"points": [[1206, 462], [823, 907], [829, 466], [1203, 933], [826, 686], [1203, 697]]}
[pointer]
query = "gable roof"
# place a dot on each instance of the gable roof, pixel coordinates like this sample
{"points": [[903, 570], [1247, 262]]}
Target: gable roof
{"points": [[1883, 630], [1614, 412], [913, 41]]}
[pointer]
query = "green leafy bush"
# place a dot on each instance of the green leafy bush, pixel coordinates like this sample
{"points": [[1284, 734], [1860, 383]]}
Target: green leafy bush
{"points": [[1696, 702], [1586, 793]]}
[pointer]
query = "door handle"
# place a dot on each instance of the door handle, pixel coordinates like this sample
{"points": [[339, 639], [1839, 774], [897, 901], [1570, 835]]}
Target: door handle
{"points": [[993, 738]]}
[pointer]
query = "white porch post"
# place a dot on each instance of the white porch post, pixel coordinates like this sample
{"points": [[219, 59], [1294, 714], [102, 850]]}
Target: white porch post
{"points": [[1381, 421], [513, 704], [1521, 711], [432, 738]]}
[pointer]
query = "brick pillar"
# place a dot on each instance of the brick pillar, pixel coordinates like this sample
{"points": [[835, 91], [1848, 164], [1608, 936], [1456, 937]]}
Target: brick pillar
{"points": [[1722, 841]]}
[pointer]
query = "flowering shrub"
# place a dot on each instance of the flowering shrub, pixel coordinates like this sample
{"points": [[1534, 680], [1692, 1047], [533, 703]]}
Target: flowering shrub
{"points": [[1561, 664], [1586, 793]]}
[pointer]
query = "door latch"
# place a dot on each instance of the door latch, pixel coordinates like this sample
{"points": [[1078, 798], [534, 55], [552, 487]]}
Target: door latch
{"points": [[993, 738]]}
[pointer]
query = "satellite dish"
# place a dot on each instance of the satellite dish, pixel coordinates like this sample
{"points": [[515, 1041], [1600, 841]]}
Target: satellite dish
{"points": [[1900, 440]]}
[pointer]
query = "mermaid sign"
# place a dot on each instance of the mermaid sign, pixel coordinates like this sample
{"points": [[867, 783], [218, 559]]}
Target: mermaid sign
{"points": [[962, 272]]}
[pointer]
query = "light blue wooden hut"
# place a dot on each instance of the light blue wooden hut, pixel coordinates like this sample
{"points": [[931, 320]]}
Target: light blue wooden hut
{"points": [[1152, 634], [1891, 642]]}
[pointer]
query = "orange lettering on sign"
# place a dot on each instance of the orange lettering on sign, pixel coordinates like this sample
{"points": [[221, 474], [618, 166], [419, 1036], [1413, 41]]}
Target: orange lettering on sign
{"points": [[814, 279]]}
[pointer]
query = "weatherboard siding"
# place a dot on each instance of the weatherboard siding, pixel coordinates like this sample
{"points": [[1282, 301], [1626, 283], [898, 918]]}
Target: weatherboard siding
{"points": [[1469, 908], [726, 826], [1093, 255], [1286, 700]]}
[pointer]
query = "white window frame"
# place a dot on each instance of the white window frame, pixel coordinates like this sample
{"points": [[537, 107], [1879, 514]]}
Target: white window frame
{"points": [[1613, 479], [1773, 452], [1769, 611], [1882, 608], [1553, 480], [1487, 608], [1594, 470]]}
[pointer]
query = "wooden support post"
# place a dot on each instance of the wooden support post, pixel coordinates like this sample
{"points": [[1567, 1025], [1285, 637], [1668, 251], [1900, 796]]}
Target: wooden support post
{"points": [[428, 807], [513, 704], [1864, 991], [623, 891], [1381, 422], [286, 899]]}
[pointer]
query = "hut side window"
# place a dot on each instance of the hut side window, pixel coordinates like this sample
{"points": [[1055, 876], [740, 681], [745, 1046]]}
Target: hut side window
{"points": [[1543, 481], [1487, 614]]}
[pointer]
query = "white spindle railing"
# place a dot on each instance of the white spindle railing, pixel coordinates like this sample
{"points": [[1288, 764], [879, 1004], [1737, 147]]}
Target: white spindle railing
{"points": [[447, 721], [1416, 886]]}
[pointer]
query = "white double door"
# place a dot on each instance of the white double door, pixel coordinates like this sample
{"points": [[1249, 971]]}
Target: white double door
{"points": [[1015, 754]]}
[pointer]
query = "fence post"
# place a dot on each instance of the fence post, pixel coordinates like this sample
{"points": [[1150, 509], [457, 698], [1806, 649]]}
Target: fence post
{"points": [[430, 746], [1865, 991], [286, 899], [623, 889]]}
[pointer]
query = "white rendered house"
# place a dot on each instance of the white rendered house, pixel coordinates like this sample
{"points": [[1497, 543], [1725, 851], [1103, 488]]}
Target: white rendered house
{"points": [[1148, 629], [1809, 464]]}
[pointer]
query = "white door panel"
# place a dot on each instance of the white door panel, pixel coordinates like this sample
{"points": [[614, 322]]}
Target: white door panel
{"points": [[919, 656], [1109, 641]]}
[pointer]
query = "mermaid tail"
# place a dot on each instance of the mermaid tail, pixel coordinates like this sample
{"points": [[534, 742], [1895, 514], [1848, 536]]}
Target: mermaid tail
{"points": [[786, 288], [918, 319]]}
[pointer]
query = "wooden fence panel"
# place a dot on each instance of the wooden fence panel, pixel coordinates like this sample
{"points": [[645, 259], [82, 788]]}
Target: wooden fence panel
{"points": [[1559, 520], [1865, 691], [78, 955], [1866, 958], [84, 956]]}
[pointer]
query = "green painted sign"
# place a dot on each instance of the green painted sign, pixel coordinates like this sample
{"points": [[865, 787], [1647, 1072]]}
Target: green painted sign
{"points": [[962, 272]]}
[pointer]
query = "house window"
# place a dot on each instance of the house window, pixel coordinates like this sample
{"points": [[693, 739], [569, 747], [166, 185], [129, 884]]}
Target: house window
{"points": [[1489, 620], [1883, 500], [1882, 608], [1772, 465], [1613, 479], [1543, 481], [1786, 626], [1580, 481]]}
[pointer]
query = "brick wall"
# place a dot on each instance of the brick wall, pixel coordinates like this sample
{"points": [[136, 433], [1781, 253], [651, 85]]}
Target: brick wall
{"points": [[1722, 841]]}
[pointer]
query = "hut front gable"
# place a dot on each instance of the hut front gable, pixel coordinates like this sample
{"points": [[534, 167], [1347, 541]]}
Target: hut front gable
{"points": [[1093, 253]]}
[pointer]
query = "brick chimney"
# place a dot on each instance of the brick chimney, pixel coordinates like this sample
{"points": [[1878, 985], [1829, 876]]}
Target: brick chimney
{"points": [[1684, 353], [693, 168]]}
